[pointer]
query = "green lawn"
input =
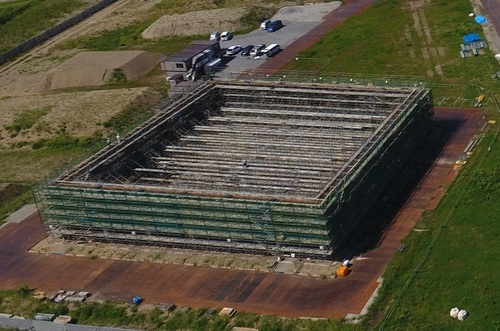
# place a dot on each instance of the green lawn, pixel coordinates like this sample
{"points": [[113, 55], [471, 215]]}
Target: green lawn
{"points": [[19, 302], [457, 252], [20, 20], [458, 256]]}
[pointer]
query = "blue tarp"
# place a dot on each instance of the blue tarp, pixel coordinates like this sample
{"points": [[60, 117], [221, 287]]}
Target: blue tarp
{"points": [[471, 37], [481, 19]]}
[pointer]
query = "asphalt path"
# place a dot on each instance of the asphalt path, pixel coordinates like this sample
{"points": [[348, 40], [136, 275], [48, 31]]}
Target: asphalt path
{"points": [[491, 10], [292, 30]]}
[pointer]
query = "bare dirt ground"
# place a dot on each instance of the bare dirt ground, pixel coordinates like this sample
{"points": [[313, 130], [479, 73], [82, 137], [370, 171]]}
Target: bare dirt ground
{"points": [[96, 68], [177, 280], [83, 112], [205, 21], [79, 113], [195, 23], [24, 82]]}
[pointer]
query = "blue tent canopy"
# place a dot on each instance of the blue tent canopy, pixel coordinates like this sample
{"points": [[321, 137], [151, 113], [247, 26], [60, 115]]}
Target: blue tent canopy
{"points": [[481, 19], [471, 37]]}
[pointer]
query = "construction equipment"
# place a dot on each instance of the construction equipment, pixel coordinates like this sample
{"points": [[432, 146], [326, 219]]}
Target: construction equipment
{"points": [[479, 99]]}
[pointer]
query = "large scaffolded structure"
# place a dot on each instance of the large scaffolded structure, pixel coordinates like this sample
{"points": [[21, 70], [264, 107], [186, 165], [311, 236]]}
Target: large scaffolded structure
{"points": [[270, 167]]}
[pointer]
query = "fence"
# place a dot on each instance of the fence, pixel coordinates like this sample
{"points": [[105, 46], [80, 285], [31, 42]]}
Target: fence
{"points": [[54, 31]]}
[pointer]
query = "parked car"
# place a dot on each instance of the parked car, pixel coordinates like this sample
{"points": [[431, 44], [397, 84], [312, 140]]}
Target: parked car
{"points": [[233, 50], [257, 50], [215, 36], [275, 26], [264, 25], [272, 50], [225, 36], [246, 50]]}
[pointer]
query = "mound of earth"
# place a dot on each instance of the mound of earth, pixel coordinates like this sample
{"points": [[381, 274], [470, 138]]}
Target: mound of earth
{"points": [[96, 68], [201, 22], [206, 21], [312, 12]]}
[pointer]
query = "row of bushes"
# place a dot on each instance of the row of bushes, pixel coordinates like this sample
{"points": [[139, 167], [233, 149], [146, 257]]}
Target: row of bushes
{"points": [[125, 315]]}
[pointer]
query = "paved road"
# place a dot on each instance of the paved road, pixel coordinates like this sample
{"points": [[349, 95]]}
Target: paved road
{"points": [[294, 38], [292, 31], [282, 37], [491, 10]]}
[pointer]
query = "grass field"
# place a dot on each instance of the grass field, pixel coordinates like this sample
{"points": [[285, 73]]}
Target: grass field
{"points": [[454, 261], [20, 302], [41, 15]]}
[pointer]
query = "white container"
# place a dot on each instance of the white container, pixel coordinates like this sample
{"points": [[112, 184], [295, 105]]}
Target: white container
{"points": [[462, 315], [454, 312]]}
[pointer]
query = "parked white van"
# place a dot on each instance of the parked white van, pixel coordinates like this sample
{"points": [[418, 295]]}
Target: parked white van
{"points": [[271, 50]]}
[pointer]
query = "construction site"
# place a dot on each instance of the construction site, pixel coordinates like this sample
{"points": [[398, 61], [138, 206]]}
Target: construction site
{"points": [[259, 167]]}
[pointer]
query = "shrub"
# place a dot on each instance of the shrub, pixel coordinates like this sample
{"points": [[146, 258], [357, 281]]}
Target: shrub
{"points": [[256, 15], [117, 76], [23, 291], [26, 120]]}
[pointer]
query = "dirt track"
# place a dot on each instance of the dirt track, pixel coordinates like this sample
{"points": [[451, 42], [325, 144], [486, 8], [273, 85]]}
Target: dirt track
{"points": [[264, 293]]}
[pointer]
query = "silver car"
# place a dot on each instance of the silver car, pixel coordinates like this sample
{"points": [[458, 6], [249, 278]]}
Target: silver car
{"points": [[257, 50], [233, 50]]}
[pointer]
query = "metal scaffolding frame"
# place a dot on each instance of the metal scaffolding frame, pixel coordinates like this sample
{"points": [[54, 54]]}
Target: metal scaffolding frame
{"points": [[249, 166]]}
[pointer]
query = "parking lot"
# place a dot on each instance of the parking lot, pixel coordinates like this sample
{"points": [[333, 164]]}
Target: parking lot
{"points": [[297, 21]]}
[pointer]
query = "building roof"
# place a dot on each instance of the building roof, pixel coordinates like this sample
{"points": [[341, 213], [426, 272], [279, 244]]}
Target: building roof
{"points": [[190, 51]]}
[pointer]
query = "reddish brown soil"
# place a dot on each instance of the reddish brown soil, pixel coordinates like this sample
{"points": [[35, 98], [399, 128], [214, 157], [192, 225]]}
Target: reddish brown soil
{"points": [[264, 293]]}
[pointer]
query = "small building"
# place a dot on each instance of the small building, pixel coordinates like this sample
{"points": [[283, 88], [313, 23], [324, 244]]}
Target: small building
{"points": [[191, 61]]}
